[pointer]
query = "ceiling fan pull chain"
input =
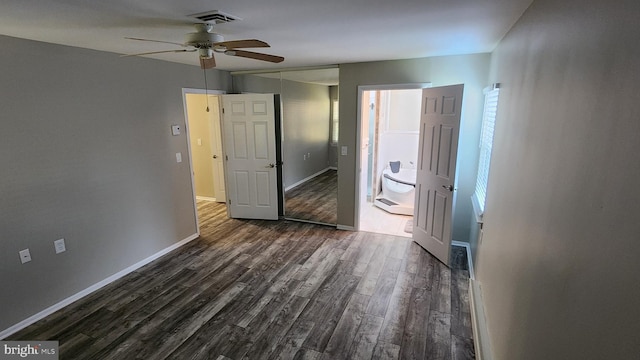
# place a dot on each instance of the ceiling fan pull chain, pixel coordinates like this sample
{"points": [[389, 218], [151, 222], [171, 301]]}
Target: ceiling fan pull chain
{"points": [[206, 88]]}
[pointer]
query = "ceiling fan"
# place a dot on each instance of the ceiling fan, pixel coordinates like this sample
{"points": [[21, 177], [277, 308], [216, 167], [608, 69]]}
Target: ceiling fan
{"points": [[206, 43]]}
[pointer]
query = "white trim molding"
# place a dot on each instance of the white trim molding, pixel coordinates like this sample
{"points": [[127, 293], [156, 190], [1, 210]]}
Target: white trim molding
{"points": [[466, 245], [95, 287], [206, 198], [477, 209], [345, 227], [481, 340]]}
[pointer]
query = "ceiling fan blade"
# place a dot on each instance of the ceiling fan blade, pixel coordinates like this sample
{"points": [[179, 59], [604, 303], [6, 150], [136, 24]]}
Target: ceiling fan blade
{"points": [[160, 52], [249, 43], [255, 55], [158, 41], [207, 63]]}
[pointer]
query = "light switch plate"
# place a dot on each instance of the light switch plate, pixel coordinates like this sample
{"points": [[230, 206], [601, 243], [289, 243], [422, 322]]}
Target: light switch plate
{"points": [[343, 151], [178, 157]]}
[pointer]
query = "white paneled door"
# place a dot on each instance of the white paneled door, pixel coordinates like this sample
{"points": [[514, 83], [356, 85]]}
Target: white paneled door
{"points": [[250, 156], [435, 183]]}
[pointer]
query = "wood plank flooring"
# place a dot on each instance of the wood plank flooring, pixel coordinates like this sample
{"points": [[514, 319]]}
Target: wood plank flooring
{"points": [[315, 200], [273, 290]]}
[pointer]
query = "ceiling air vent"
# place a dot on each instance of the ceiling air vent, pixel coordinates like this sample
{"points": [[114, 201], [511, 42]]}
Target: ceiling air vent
{"points": [[215, 16]]}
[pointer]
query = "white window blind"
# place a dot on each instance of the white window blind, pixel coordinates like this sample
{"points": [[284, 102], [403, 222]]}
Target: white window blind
{"points": [[335, 122], [486, 144]]}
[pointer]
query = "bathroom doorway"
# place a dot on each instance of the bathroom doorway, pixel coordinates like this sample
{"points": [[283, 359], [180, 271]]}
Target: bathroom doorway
{"points": [[389, 138]]}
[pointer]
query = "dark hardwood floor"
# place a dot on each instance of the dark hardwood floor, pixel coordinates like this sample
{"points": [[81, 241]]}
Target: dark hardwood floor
{"points": [[273, 290], [315, 200]]}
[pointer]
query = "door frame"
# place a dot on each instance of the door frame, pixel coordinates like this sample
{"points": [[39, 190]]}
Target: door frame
{"points": [[186, 91], [358, 147]]}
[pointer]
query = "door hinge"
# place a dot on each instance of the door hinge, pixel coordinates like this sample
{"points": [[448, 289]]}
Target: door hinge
{"points": [[226, 157], [223, 110], [229, 201]]}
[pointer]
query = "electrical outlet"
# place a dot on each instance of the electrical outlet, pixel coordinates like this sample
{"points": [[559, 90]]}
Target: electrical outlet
{"points": [[25, 256], [308, 155], [304, 157], [59, 245]]}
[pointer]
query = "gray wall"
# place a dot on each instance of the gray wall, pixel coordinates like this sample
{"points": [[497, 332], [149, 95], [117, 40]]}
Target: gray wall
{"points": [[305, 118], [87, 155], [470, 70], [559, 260]]}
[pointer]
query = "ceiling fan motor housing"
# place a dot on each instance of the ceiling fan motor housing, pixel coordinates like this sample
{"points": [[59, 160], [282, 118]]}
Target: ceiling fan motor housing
{"points": [[203, 40]]}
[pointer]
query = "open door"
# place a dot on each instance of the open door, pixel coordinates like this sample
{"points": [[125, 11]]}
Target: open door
{"points": [[250, 156], [435, 183]]}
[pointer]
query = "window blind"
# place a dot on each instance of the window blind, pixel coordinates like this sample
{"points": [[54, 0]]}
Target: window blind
{"points": [[486, 144], [335, 122]]}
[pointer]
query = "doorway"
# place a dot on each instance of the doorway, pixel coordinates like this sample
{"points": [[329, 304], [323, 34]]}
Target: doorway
{"points": [[389, 136], [202, 127]]}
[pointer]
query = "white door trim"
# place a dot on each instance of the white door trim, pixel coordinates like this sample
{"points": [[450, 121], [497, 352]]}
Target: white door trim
{"points": [[361, 89]]}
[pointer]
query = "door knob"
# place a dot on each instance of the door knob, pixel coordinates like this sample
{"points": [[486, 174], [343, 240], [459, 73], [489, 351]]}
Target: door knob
{"points": [[215, 156], [271, 166], [448, 187]]}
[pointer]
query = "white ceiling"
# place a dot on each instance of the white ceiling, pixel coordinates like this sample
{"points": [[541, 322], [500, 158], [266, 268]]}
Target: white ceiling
{"points": [[305, 32]]}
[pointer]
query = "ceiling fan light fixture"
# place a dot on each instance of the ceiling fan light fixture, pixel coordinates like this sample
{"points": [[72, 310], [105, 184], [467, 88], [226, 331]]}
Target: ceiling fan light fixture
{"points": [[205, 53], [206, 42]]}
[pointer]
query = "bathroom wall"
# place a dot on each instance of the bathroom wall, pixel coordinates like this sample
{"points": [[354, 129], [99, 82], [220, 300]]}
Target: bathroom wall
{"points": [[399, 127]]}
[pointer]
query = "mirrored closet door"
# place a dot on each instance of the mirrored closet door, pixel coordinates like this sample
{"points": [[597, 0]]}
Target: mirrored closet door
{"points": [[309, 138]]}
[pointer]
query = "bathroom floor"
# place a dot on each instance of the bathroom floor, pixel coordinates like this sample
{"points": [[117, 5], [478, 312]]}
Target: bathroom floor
{"points": [[374, 219]]}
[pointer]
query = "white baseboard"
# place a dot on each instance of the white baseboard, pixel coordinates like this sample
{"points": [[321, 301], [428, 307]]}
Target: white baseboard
{"points": [[206, 198], [345, 227], [481, 339], [466, 245], [73, 298], [306, 179]]}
